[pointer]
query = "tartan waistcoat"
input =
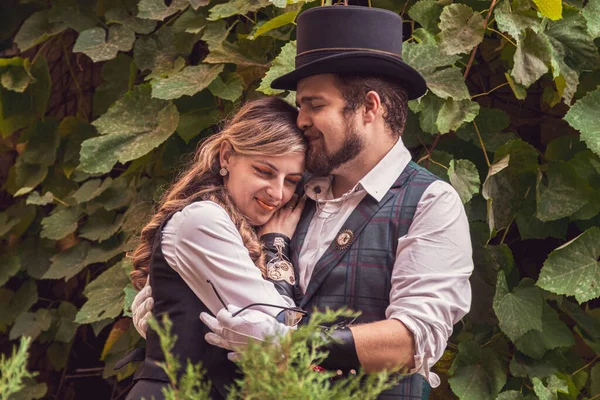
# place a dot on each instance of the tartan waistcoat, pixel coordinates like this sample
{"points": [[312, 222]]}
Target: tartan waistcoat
{"points": [[359, 276]]}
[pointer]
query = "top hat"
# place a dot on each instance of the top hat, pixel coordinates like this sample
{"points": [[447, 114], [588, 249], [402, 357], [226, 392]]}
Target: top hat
{"points": [[351, 40]]}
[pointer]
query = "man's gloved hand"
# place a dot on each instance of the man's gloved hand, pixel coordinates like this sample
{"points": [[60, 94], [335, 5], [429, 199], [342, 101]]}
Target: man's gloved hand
{"points": [[141, 308], [234, 333]]}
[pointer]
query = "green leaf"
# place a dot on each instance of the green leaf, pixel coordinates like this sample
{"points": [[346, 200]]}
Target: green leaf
{"points": [[243, 53], [476, 373], [17, 110], [136, 217], [37, 29], [453, 114], [15, 74], [60, 223], [73, 14], [190, 21], [101, 225], [532, 58], [95, 45], [69, 262], [157, 10], [191, 124], [573, 268], [229, 89], [550, 8], [277, 22], [282, 64], [426, 57], [130, 294], [549, 392], [115, 83], [428, 107], [461, 29], [42, 142], [519, 311], [126, 16], [565, 193], [448, 83], [464, 177], [161, 51], [11, 265], [36, 199], [554, 333], [426, 13], [13, 304], [235, 7], [189, 81], [595, 379], [510, 395], [591, 12], [132, 127], [522, 366], [490, 123], [530, 227], [581, 116], [196, 4], [105, 296], [31, 324], [515, 17], [65, 324], [91, 189], [7, 223], [572, 41]]}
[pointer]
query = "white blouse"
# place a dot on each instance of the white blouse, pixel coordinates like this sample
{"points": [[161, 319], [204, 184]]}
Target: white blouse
{"points": [[201, 243]]}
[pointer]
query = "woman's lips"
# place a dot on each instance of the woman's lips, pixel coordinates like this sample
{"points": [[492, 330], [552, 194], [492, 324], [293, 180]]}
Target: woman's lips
{"points": [[265, 205]]}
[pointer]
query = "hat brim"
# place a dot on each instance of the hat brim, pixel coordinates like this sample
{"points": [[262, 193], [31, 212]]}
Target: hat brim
{"points": [[358, 63]]}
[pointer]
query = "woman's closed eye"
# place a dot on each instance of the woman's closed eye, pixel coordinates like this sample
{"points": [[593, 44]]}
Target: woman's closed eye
{"points": [[263, 172]]}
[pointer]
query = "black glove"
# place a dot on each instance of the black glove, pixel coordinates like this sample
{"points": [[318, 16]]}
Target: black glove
{"points": [[280, 270]]}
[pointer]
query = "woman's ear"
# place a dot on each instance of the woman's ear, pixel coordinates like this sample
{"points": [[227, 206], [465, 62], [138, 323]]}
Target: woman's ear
{"points": [[225, 153]]}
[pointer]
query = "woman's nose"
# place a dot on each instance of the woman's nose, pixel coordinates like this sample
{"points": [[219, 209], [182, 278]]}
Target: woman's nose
{"points": [[275, 189]]}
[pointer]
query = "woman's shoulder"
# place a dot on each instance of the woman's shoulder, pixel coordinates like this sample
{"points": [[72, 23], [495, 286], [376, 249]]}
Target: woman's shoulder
{"points": [[203, 214]]}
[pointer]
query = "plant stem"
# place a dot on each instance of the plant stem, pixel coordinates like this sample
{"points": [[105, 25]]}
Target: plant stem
{"points": [[485, 23], [506, 231], [503, 35], [72, 73], [489, 91], [585, 366], [487, 160]]}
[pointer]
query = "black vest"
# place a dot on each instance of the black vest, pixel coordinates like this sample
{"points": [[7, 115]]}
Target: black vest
{"points": [[172, 296]]}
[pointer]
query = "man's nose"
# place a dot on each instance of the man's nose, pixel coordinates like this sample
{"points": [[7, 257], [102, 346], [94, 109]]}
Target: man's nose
{"points": [[303, 121]]}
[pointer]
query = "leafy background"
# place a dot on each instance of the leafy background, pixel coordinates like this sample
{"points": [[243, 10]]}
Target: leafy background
{"points": [[102, 100]]}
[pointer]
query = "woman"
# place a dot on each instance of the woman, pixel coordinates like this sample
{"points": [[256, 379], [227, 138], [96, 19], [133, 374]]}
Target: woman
{"points": [[203, 234]]}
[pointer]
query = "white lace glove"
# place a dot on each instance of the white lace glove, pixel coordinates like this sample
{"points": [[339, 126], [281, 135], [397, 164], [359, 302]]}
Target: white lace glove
{"points": [[234, 333], [141, 309]]}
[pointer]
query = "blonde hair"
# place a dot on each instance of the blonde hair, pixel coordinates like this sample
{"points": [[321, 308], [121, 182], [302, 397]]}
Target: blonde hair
{"points": [[265, 126]]}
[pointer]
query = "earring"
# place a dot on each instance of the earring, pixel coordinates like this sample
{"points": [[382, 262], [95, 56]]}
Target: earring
{"points": [[223, 171]]}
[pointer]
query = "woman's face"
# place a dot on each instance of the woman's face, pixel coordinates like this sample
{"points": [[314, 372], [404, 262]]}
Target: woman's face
{"points": [[261, 185]]}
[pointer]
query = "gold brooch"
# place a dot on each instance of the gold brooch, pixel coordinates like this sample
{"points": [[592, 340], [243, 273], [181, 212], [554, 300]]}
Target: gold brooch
{"points": [[344, 239]]}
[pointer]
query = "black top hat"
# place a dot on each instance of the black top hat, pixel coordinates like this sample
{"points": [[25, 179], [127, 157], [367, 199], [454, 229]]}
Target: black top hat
{"points": [[351, 40]]}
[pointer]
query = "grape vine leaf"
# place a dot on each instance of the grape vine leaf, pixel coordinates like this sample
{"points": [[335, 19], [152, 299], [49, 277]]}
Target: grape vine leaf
{"points": [[519, 311], [94, 43], [105, 296], [229, 88], [453, 114], [595, 379], [187, 82], [515, 17], [550, 392], [532, 58], [522, 366], [60, 223], [277, 22], [461, 29], [162, 51], [101, 225], [565, 193], [511, 395], [91, 189], [37, 29], [490, 124], [235, 7], [13, 304], [35, 198], [591, 12], [554, 333], [31, 324], [573, 268], [282, 64], [15, 74], [65, 322], [448, 83], [73, 14], [550, 8], [426, 57], [476, 373], [11, 265], [581, 117], [132, 127], [115, 85], [124, 14], [42, 142], [464, 177], [68, 263], [158, 10], [426, 13]]}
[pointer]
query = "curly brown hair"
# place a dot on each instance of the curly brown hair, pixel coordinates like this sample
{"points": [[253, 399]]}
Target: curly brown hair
{"points": [[265, 126]]}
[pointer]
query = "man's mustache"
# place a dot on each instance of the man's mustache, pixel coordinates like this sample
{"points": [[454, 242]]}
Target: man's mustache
{"points": [[312, 133]]}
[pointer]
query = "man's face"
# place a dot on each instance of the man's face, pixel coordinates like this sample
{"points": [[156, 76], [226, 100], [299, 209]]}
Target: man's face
{"points": [[333, 138]]}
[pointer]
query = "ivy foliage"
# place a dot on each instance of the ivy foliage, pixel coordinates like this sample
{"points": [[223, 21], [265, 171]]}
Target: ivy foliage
{"points": [[101, 99]]}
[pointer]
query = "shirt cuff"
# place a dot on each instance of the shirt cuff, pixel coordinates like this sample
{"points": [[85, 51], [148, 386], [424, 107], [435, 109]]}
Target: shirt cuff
{"points": [[421, 361]]}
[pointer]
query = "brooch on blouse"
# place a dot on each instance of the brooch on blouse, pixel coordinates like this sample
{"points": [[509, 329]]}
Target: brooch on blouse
{"points": [[279, 268], [344, 239]]}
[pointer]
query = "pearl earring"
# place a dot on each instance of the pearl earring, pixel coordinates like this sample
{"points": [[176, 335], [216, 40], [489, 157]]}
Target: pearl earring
{"points": [[223, 171]]}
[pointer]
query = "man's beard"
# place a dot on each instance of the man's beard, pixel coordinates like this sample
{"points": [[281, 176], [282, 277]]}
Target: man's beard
{"points": [[319, 163]]}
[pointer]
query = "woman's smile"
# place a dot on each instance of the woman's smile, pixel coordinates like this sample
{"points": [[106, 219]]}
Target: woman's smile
{"points": [[265, 205]]}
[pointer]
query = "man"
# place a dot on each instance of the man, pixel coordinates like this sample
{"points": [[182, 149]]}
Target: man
{"points": [[381, 235]]}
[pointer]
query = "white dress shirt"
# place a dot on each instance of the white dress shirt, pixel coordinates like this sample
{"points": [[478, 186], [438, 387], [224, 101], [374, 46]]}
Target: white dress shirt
{"points": [[201, 242], [430, 289]]}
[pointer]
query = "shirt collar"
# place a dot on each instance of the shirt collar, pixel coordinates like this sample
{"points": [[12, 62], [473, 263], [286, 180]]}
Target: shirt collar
{"points": [[376, 183]]}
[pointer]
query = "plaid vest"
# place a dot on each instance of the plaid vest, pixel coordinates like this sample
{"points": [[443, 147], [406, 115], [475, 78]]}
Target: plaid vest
{"points": [[359, 276]]}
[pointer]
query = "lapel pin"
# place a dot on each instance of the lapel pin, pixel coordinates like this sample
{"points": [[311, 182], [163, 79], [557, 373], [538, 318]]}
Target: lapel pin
{"points": [[344, 239]]}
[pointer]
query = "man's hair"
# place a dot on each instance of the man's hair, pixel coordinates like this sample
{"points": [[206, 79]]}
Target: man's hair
{"points": [[394, 98]]}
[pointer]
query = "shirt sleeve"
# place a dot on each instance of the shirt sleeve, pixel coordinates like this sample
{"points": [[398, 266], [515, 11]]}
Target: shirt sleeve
{"points": [[430, 279], [201, 243]]}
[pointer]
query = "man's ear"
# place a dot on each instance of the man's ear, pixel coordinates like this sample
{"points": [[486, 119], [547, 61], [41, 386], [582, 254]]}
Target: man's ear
{"points": [[225, 153], [372, 106]]}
